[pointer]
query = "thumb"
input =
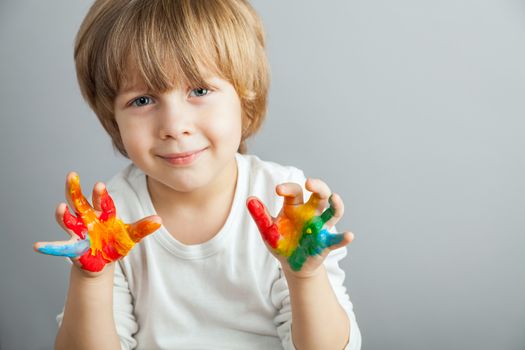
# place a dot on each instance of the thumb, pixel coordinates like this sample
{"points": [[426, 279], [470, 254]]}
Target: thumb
{"points": [[144, 227]]}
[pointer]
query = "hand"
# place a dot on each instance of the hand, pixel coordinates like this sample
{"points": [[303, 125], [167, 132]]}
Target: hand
{"points": [[98, 237], [299, 234]]}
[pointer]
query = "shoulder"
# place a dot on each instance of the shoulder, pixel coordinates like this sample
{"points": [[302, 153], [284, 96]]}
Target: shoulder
{"points": [[125, 188], [122, 179], [270, 172], [263, 176]]}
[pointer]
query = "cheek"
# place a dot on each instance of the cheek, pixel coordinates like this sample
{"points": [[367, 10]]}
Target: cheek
{"points": [[233, 125], [133, 137]]}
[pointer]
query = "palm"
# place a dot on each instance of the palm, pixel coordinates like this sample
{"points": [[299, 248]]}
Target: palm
{"points": [[299, 233], [98, 236]]}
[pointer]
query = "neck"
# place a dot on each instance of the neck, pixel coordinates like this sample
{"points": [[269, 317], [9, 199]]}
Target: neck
{"points": [[221, 188]]}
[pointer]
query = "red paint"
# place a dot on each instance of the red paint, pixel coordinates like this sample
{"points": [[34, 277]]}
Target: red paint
{"points": [[110, 251], [91, 262], [268, 230], [108, 207], [75, 224]]}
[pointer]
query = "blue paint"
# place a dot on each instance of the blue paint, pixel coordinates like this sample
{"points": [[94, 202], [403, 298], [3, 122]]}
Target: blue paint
{"points": [[328, 239], [70, 250]]}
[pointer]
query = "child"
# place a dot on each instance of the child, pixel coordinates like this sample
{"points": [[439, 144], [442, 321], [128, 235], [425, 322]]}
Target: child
{"points": [[180, 85]]}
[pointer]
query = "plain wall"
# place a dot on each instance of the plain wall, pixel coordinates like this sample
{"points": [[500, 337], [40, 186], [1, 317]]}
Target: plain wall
{"points": [[411, 110]]}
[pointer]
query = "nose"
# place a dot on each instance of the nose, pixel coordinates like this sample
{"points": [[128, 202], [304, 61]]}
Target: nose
{"points": [[175, 119]]}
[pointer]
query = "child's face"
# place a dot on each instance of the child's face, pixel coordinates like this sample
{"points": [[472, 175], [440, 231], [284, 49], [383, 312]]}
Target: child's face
{"points": [[184, 138]]}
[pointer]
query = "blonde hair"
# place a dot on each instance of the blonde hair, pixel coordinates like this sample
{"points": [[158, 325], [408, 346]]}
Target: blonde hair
{"points": [[169, 42]]}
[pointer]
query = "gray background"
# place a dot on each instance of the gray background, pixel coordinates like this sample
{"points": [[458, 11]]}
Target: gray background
{"points": [[411, 110]]}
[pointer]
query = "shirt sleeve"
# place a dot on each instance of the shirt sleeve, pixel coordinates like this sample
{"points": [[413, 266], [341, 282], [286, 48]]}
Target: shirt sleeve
{"points": [[125, 322], [336, 276]]}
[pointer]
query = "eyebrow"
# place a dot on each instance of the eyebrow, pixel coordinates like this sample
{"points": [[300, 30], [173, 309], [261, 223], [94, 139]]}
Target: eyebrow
{"points": [[131, 88], [211, 80]]}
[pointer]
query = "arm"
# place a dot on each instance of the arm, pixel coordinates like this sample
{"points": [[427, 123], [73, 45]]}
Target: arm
{"points": [[88, 315], [318, 320], [98, 238], [299, 238]]}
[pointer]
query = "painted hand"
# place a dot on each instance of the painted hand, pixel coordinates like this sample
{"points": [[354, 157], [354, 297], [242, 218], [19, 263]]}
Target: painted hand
{"points": [[299, 234], [98, 237]]}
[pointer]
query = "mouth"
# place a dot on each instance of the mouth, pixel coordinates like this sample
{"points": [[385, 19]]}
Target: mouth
{"points": [[183, 158]]}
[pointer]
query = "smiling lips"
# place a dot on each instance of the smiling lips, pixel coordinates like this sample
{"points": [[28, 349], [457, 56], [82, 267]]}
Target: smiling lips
{"points": [[183, 158]]}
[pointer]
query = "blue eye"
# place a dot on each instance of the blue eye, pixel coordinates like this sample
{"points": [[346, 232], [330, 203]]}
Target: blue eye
{"points": [[141, 101], [199, 92]]}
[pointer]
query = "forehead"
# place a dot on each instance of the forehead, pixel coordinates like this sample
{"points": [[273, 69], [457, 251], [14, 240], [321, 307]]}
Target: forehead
{"points": [[131, 80], [145, 75]]}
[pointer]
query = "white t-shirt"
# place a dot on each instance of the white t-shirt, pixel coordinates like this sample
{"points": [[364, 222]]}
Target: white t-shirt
{"points": [[226, 293]]}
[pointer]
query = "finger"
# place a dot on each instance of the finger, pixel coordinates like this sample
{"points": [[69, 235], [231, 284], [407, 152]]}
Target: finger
{"points": [[292, 193], [103, 202], [320, 192], [72, 248], [144, 227], [264, 221], [70, 223], [334, 212], [76, 199], [98, 190], [338, 240]]}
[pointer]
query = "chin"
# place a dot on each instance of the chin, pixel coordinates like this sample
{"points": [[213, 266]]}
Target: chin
{"points": [[186, 184]]}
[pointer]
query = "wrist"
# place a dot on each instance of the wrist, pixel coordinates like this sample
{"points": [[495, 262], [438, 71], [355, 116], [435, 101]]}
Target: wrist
{"points": [[85, 276], [302, 276]]}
